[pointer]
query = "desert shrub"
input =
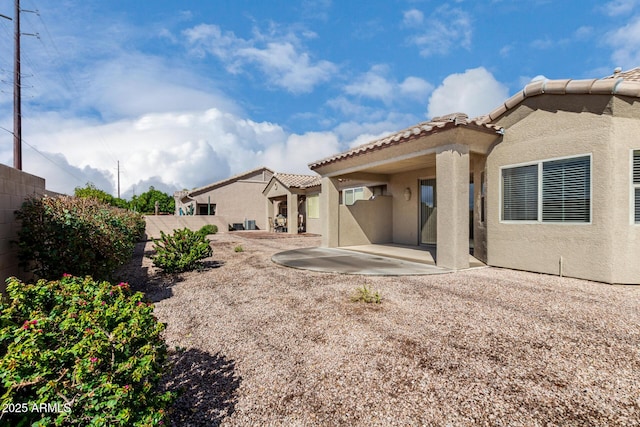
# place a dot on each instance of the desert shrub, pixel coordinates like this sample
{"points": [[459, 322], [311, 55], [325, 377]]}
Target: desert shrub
{"points": [[207, 229], [181, 251], [238, 249], [90, 352], [80, 236], [365, 294]]}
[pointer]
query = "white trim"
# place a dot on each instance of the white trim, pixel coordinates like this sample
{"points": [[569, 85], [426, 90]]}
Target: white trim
{"points": [[540, 177]]}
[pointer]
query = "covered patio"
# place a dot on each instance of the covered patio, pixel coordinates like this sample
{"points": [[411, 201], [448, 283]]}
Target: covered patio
{"points": [[434, 177]]}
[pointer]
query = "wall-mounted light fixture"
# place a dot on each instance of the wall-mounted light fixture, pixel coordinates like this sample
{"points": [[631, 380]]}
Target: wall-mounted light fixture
{"points": [[407, 194]]}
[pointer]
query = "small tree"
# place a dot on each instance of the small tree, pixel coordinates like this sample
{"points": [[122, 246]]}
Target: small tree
{"points": [[90, 191], [145, 202]]}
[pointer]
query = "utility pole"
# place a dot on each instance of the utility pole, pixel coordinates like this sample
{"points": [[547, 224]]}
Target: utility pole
{"points": [[17, 103], [118, 179]]}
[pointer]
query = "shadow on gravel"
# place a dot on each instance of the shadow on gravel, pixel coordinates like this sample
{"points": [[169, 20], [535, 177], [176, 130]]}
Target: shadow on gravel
{"points": [[155, 285], [206, 386]]}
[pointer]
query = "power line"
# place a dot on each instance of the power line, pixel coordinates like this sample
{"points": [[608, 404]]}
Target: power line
{"points": [[50, 159]]}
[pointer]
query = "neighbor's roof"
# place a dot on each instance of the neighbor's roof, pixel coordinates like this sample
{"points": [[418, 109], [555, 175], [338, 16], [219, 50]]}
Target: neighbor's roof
{"points": [[223, 182], [298, 181], [433, 126], [624, 83]]}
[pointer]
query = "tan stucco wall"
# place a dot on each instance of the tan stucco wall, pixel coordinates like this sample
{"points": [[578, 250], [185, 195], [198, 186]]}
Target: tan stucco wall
{"points": [[607, 248], [238, 201], [406, 214], [314, 225], [15, 186], [366, 222]]}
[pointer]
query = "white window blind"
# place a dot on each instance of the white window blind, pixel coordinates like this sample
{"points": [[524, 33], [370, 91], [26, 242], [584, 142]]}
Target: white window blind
{"points": [[520, 193], [636, 184], [566, 190]]}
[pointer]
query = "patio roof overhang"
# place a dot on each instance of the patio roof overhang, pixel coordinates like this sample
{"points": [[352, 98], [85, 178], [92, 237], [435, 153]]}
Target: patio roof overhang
{"points": [[414, 148]]}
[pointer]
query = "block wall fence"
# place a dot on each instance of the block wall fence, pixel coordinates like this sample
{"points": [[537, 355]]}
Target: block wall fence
{"points": [[15, 187]]}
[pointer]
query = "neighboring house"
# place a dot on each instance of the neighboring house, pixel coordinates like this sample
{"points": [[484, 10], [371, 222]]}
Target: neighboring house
{"points": [[237, 200], [294, 199], [548, 182]]}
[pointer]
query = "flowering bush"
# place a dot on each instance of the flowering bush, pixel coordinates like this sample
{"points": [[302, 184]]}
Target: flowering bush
{"points": [[181, 251], [89, 353], [76, 235]]}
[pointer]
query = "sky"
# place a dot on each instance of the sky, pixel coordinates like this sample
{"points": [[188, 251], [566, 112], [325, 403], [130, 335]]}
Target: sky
{"points": [[181, 94]]}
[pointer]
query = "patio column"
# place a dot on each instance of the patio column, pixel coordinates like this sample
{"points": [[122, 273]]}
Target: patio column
{"points": [[452, 189], [292, 213], [270, 216], [329, 212]]}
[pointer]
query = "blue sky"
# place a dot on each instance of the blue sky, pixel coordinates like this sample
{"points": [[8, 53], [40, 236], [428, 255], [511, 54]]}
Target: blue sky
{"points": [[184, 93]]}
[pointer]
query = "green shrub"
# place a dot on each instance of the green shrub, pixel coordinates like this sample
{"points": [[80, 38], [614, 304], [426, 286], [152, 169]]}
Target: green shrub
{"points": [[91, 351], [80, 236], [205, 230], [181, 251], [238, 249], [365, 294]]}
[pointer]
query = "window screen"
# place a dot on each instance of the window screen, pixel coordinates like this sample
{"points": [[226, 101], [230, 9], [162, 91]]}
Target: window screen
{"points": [[520, 193], [566, 190]]}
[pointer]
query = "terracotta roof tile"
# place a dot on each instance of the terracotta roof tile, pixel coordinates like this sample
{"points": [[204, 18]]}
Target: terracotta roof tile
{"points": [[413, 132], [298, 181], [626, 83], [632, 75]]}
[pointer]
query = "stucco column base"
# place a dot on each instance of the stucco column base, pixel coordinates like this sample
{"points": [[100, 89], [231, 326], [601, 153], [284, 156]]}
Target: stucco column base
{"points": [[452, 189], [329, 212]]}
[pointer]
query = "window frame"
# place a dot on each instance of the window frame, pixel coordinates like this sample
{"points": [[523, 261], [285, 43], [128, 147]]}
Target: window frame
{"points": [[540, 164], [635, 186], [353, 192], [313, 207]]}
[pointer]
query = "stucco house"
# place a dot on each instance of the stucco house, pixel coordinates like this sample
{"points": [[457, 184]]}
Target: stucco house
{"points": [[548, 182], [236, 200], [295, 199]]}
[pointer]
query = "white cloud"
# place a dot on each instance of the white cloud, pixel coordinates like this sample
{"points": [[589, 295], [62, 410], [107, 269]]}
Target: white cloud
{"points": [[626, 44], [619, 7], [186, 149], [416, 88], [412, 18], [474, 92], [445, 30], [375, 84], [281, 58], [294, 154]]}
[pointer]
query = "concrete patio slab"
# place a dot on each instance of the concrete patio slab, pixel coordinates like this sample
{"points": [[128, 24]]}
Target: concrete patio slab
{"points": [[419, 254], [334, 260]]}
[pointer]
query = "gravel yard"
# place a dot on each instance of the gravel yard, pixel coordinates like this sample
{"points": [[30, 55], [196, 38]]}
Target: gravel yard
{"points": [[255, 343]]}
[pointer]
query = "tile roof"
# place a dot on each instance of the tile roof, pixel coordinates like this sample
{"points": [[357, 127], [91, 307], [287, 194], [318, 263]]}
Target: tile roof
{"points": [[298, 181], [421, 129], [629, 75], [624, 83], [225, 181]]}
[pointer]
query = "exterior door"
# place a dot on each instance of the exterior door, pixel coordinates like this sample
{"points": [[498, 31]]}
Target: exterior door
{"points": [[428, 212]]}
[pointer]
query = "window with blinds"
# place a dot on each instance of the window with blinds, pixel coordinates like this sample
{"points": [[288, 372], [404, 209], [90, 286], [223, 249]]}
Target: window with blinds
{"points": [[520, 193], [548, 191], [636, 185], [566, 190]]}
